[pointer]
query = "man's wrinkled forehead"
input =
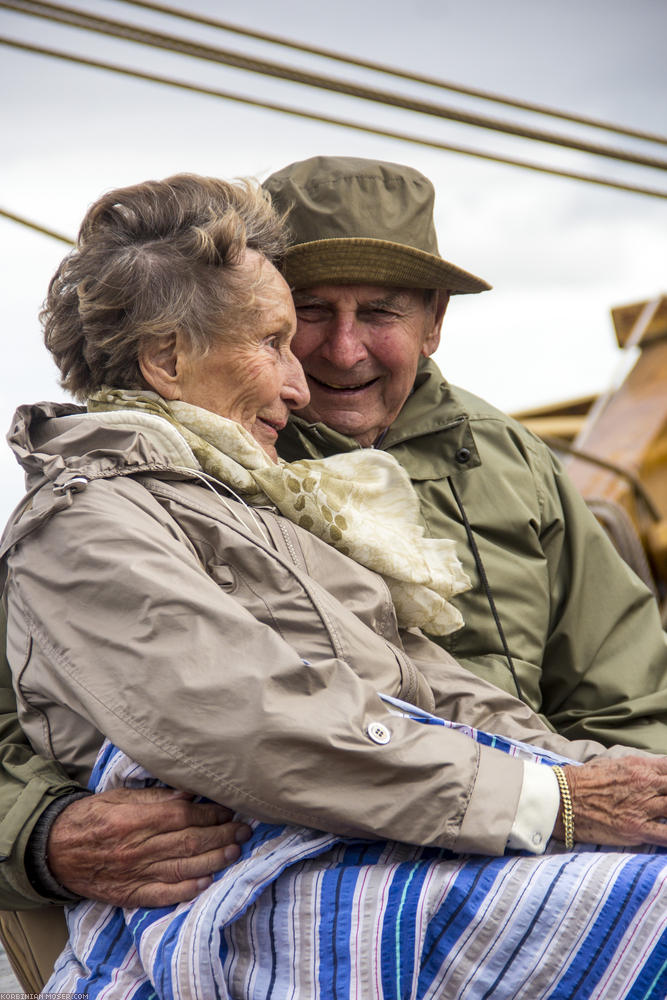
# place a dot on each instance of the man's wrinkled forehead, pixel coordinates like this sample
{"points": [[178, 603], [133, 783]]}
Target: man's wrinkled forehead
{"points": [[367, 296]]}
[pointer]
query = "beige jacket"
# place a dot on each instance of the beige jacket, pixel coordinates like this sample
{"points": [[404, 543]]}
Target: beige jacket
{"points": [[238, 659]]}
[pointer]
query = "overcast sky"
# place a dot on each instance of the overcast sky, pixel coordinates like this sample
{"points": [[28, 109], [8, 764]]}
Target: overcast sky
{"points": [[559, 253]]}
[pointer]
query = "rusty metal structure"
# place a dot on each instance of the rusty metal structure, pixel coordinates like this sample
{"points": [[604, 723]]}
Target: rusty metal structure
{"points": [[615, 445]]}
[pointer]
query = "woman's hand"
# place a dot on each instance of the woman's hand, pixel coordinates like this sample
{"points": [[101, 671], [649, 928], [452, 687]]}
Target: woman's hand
{"points": [[619, 802], [142, 847]]}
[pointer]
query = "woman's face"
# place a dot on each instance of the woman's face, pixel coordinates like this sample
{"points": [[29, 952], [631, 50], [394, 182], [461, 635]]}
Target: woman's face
{"points": [[250, 375]]}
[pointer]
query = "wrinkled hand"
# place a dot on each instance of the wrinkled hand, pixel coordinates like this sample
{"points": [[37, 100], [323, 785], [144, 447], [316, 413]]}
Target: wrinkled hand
{"points": [[141, 847], [618, 802]]}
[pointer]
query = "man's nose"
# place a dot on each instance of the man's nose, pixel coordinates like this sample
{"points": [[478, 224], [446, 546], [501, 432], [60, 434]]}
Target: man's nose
{"points": [[343, 346]]}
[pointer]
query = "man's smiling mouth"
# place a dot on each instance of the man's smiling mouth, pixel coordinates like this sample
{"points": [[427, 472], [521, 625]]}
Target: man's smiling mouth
{"points": [[336, 387]]}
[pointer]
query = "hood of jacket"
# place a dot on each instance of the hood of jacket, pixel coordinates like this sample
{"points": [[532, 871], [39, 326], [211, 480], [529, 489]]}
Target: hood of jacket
{"points": [[54, 442]]}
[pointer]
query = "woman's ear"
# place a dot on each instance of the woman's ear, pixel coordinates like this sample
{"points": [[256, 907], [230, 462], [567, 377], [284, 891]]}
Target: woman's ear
{"points": [[158, 362]]}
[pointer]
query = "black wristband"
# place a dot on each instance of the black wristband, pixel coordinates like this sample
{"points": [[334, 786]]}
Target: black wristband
{"points": [[36, 856]]}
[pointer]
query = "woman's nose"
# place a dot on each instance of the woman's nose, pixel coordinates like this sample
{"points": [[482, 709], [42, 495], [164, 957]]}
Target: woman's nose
{"points": [[295, 390]]}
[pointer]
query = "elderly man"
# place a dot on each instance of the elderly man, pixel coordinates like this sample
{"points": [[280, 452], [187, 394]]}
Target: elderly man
{"points": [[554, 615], [371, 292]]}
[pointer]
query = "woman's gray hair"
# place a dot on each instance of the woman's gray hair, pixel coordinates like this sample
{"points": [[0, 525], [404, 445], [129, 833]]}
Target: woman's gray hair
{"points": [[152, 260]]}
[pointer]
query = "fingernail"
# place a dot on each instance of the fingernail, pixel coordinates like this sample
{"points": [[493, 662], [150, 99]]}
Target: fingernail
{"points": [[232, 853], [243, 834], [204, 882]]}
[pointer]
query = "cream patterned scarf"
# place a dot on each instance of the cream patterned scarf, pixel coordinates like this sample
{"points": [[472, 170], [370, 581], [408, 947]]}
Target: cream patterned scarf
{"points": [[361, 502]]}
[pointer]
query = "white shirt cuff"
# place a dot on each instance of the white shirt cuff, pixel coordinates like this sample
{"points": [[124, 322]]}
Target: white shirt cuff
{"points": [[537, 809]]}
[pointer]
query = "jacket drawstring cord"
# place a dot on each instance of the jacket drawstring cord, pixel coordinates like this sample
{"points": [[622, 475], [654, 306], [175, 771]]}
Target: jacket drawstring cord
{"points": [[487, 588]]}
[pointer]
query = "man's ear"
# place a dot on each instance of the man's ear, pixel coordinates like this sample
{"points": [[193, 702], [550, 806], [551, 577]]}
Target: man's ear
{"points": [[159, 366], [432, 338]]}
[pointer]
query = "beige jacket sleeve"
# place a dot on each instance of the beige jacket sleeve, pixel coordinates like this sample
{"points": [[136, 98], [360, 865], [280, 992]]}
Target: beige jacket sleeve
{"points": [[113, 619], [463, 696]]}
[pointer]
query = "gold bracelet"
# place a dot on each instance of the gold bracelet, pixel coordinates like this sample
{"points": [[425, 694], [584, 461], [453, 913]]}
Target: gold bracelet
{"points": [[568, 809]]}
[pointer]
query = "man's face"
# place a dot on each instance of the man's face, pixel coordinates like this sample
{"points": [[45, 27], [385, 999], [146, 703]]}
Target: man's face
{"points": [[359, 346]]}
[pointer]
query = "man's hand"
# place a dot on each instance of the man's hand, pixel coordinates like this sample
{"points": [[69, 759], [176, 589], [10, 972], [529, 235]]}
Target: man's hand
{"points": [[141, 847], [618, 802]]}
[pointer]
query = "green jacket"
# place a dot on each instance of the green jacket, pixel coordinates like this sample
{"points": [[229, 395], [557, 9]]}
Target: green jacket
{"points": [[28, 785], [584, 633]]}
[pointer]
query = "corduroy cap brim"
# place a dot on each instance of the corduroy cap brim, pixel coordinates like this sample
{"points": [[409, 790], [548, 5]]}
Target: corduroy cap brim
{"points": [[374, 262], [355, 221]]}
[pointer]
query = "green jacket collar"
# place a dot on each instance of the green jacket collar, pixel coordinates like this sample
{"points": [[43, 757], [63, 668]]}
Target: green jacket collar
{"points": [[433, 408]]}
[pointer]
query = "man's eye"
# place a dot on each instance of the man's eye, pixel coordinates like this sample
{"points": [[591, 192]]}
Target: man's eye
{"points": [[381, 314], [310, 314]]}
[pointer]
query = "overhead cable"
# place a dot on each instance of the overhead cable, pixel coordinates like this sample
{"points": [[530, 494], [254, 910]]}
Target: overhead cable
{"points": [[400, 74], [34, 225], [329, 120], [129, 32]]}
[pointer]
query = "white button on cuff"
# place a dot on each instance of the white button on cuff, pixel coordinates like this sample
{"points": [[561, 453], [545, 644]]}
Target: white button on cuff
{"points": [[378, 733], [537, 839]]}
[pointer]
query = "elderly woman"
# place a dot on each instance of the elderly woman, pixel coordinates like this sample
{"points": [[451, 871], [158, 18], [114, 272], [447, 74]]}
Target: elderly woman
{"points": [[224, 620]]}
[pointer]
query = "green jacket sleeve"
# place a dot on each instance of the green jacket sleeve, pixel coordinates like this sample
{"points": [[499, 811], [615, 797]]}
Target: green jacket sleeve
{"points": [[605, 664], [28, 785]]}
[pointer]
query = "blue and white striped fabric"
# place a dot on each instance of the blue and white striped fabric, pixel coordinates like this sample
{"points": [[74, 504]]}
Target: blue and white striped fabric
{"points": [[307, 915]]}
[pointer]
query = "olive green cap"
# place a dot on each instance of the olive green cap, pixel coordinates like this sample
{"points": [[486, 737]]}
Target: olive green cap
{"points": [[356, 221]]}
